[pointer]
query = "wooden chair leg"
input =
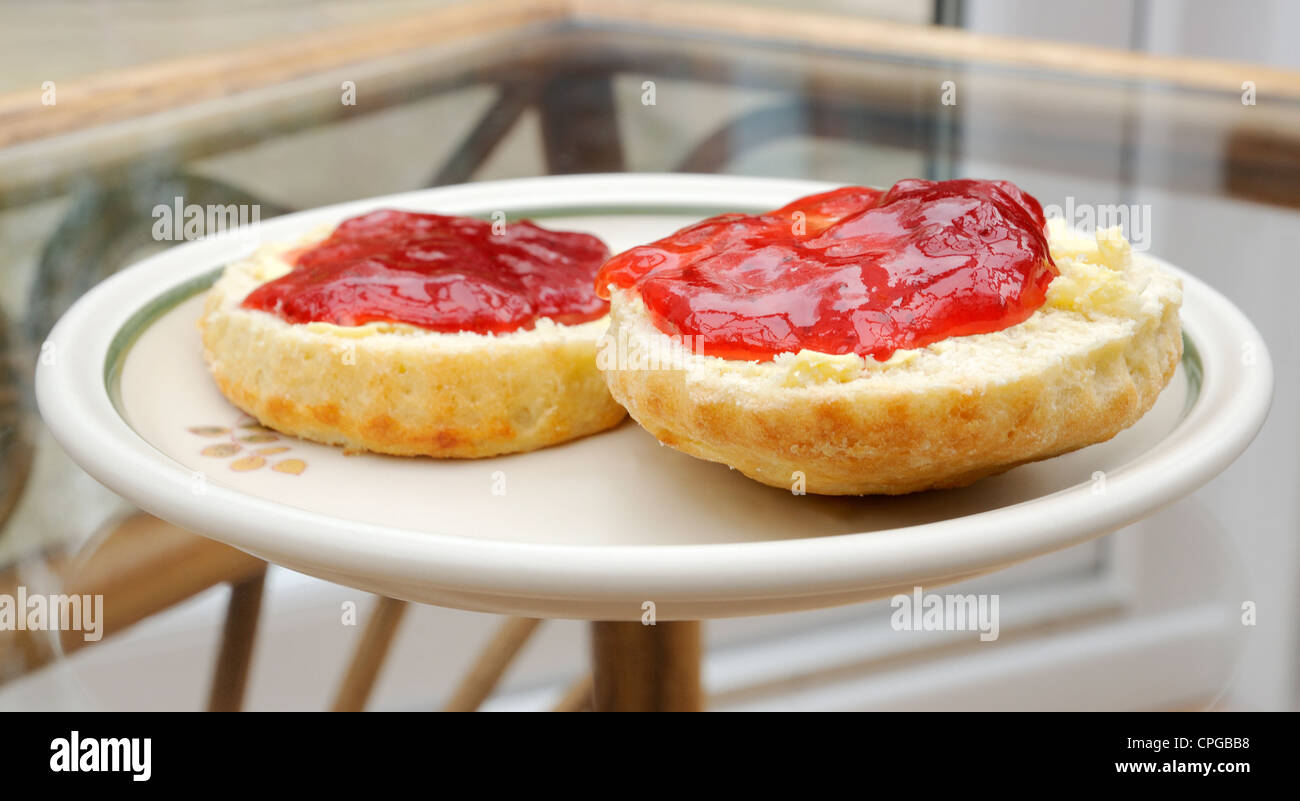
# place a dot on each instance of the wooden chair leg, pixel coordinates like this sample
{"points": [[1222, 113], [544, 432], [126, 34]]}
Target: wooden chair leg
{"points": [[140, 565], [237, 638], [490, 130], [370, 655], [491, 665], [579, 121], [577, 698], [638, 668]]}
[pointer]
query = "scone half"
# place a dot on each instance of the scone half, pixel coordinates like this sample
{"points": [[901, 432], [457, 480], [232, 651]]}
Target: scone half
{"points": [[399, 389], [1084, 366]]}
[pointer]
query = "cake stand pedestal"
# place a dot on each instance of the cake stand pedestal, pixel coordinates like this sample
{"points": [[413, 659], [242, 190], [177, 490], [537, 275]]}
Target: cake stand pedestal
{"points": [[643, 668]]}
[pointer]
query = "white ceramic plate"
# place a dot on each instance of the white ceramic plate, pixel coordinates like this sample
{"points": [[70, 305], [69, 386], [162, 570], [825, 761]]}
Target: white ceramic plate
{"points": [[595, 528]]}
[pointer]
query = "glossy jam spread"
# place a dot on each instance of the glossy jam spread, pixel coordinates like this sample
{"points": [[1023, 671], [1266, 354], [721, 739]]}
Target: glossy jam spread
{"points": [[852, 270], [442, 273]]}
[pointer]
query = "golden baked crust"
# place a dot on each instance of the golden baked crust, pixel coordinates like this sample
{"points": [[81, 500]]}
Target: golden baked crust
{"points": [[1084, 367], [398, 389]]}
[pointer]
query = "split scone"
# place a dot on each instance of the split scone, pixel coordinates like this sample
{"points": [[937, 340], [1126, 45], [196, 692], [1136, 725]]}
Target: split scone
{"points": [[416, 334], [883, 342]]}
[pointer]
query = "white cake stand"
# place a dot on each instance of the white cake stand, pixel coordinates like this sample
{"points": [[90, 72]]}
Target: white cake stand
{"points": [[599, 528]]}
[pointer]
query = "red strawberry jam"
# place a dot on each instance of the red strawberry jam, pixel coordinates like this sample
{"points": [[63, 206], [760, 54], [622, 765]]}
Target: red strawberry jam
{"points": [[441, 273], [853, 270]]}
